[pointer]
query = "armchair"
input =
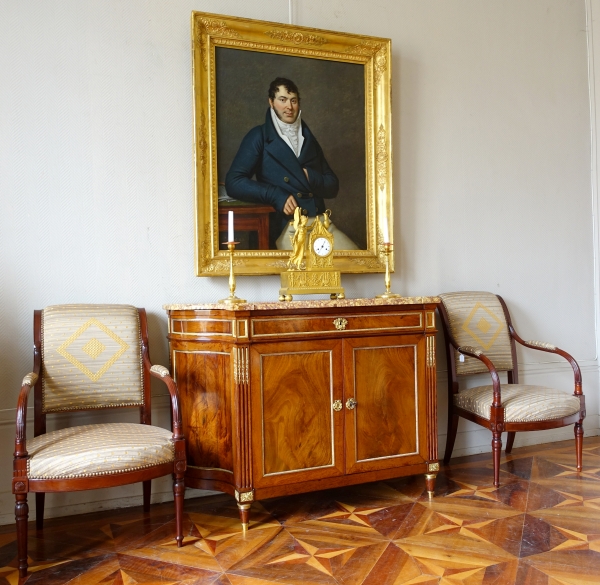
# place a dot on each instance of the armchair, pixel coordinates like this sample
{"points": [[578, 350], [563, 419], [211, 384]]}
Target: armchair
{"points": [[92, 357], [480, 338]]}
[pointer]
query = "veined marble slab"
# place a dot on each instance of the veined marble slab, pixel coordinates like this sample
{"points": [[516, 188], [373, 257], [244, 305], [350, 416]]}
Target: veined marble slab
{"points": [[304, 304]]}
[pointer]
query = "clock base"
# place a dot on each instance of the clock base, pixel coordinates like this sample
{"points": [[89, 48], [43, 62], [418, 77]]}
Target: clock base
{"points": [[299, 282]]}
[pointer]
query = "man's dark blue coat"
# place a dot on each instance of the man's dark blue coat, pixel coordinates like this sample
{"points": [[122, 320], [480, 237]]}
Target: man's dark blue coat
{"points": [[278, 171]]}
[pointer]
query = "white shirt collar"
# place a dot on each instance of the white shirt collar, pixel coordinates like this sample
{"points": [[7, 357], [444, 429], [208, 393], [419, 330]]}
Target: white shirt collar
{"points": [[290, 133]]}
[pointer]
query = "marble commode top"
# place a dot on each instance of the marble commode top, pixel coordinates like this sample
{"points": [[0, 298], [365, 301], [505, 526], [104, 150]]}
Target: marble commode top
{"points": [[303, 304]]}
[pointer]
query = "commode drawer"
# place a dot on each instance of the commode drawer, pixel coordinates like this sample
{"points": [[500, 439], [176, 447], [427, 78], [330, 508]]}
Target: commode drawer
{"points": [[201, 326], [301, 325]]}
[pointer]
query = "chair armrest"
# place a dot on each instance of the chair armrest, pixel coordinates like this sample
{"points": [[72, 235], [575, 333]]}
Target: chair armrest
{"points": [[478, 354], [470, 350], [540, 345], [162, 373], [159, 371], [548, 347], [21, 431]]}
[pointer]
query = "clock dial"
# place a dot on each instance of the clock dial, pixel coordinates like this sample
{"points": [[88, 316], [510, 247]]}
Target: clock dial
{"points": [[322, 246]]}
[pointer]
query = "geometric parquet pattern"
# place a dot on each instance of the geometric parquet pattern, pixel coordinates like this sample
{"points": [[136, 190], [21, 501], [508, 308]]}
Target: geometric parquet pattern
{"points": [[541, 527]]}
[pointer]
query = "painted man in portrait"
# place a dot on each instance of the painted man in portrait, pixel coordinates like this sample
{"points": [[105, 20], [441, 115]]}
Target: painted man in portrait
{"points": [[281, 163]]}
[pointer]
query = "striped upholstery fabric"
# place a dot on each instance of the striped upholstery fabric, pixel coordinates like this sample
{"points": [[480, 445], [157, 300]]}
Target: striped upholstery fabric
{"points": [[100, 449], [522, 403], [477, 320], [92, 357]]}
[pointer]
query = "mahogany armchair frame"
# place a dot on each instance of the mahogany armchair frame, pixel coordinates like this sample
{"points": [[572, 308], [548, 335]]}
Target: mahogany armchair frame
{"points": [[22, 484], [496, 422]]}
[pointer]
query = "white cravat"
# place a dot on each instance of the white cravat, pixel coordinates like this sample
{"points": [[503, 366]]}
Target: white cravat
{"points": [[290, 133]]}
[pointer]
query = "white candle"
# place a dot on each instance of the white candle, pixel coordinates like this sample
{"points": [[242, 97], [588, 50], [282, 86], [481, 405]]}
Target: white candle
{"points": [[385, 232], [230, 234]]}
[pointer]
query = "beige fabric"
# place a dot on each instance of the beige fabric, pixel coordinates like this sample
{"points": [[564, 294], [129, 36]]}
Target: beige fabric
{"points": [[521, 403], [470, 349], [30, 379], [101, 449], [160, 370], [477, 319], [541, 344], [92, 357]]}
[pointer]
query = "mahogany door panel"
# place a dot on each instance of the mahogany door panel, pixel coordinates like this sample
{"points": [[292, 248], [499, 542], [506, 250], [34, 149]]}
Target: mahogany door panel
{"points": [[384, 428], [203, 379], [297, 434]]}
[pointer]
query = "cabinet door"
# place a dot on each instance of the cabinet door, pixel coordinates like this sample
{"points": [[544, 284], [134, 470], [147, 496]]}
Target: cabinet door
{"points": [[386, 427], [296, 432]]}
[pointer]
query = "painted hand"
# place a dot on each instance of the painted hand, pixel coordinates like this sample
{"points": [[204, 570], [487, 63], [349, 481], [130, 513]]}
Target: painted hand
{"points": [[290, 205]]}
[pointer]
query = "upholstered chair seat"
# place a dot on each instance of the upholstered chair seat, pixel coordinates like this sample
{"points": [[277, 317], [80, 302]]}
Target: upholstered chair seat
{"points": [[100, 449], [480, 339], [521, 403], [93, 358]]}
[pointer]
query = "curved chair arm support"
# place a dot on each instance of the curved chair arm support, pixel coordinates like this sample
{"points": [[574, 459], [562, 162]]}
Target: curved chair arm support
{"points": [[29, 382], [163, 374], [478, 354], [547, 347]]}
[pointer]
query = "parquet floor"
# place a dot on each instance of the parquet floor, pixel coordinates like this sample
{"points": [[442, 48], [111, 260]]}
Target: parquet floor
{"points": [[541, 527]]}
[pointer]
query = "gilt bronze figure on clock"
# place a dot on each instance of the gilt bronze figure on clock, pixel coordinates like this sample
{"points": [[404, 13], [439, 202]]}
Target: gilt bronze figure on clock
{"points": [[310, 267]]}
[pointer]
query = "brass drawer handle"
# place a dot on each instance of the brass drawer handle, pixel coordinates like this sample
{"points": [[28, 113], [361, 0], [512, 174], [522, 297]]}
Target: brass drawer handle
{"points": [[340, 323], [351, 403], [337, 405]]}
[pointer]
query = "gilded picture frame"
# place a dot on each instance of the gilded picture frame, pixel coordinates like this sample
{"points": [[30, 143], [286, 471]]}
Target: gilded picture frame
{"points": [[332, 66]]}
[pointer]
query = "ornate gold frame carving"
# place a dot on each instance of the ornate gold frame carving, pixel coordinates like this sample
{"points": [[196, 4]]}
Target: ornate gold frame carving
{"points": [[373, 53]]}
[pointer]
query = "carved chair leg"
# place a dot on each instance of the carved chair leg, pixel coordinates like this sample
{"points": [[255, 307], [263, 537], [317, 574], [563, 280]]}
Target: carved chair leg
{"points": [[450, 436], [496, 449], [244, 510], [147, 488], [579, 444], [40, 500], [178, 494], [510, 439], [22, 516]]}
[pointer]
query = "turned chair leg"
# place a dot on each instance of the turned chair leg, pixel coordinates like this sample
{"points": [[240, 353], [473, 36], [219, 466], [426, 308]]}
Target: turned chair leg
{"points": [[147, 489], [40, 500], [496, 449], [22, 516], [178, 495], [450, 436], [579, 444], [510, 439]]}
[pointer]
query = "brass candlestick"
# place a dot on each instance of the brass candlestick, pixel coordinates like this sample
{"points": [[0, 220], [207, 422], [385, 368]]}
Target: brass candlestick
{"points": [[387, 250], [231, 299]]}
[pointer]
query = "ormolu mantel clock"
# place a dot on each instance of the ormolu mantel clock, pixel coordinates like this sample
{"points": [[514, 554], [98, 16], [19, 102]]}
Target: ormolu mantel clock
{"points": [[310, 267]]}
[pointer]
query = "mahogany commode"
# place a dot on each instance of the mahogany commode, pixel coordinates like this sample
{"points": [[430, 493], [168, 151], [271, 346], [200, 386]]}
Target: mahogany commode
{"points": [[284, 398]]}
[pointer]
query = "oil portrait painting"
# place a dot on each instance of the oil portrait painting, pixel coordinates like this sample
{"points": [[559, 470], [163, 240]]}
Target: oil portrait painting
{"points": [[287, 117]]}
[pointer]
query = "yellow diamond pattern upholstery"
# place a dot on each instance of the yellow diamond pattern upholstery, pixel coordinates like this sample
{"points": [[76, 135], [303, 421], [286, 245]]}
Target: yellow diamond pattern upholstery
{"points": [[98, 449], [92, 357], [477, 320], [522, 403]]}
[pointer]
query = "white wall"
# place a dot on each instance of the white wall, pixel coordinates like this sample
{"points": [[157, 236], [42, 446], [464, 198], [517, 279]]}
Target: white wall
{"points": [[493, 172]]}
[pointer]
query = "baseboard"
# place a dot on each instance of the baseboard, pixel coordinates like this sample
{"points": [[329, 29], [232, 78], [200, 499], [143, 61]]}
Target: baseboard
{"points": [[101, 505], [479, 440], [470, 440]]}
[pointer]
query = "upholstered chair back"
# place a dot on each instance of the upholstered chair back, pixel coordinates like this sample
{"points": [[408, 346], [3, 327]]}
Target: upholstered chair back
{"points": [[91, 356], [477, 320]]}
